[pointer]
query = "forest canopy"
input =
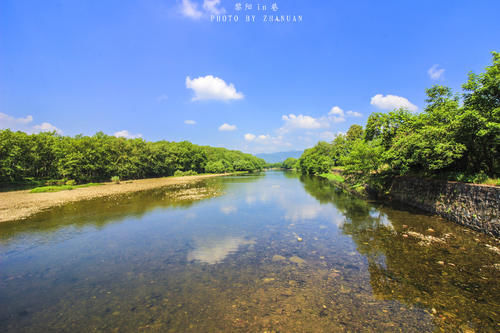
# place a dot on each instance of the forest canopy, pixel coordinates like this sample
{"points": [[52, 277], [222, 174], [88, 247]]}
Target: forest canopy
{"points": [[457, 136], [99, 157]]}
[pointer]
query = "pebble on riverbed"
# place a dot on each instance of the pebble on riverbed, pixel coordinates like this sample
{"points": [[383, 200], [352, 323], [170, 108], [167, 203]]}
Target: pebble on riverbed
{"points": [[267, 280], [277, 257], [297, 260]]}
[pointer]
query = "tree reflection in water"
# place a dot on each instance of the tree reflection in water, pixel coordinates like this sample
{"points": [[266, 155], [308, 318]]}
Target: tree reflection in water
{"points": [[421, 260]]}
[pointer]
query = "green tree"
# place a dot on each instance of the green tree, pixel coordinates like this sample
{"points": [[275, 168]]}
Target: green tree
{"points": [[354, 132], [317, 160], [364, 157], [479, 124], [289, 163]]}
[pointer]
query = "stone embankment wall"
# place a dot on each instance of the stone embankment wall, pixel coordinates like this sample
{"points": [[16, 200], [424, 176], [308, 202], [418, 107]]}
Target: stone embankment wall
{"points": [[475, 206]]}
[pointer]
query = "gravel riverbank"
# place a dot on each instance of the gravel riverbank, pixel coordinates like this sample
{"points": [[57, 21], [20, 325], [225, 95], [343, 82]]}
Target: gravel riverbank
{"points": [[18, 205]]}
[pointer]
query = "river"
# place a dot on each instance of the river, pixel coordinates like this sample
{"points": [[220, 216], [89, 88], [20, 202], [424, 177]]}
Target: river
{"points": [[274, 251]]}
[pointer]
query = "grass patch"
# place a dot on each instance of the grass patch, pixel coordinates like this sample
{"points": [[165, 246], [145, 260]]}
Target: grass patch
{"points": [[58, 188], [333, 176], [492, 181]]}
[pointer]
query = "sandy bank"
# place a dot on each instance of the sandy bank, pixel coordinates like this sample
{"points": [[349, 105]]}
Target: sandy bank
{"points": [[18, 205]]}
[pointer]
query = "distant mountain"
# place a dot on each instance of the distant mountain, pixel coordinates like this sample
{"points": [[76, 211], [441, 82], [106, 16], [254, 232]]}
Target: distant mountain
{"points": [[280, 156]]}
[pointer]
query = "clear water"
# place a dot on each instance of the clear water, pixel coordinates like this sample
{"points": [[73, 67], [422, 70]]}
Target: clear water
{"points": [[266, 252]]}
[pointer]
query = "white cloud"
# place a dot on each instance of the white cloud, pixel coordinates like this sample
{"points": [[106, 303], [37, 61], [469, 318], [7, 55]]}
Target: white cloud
{"points": [[46, 127], [210, 87], [249, 137], [6, 120], [354, 113], [327, 135], [300, 121], [126, 134], [211, 6], [227, 127], [336, 114], [161, 98], [294, 122], [299, 131], [391, 102], [263, 138], [189, 122], [190, 9], [336, 111], [25, 124], [266, 142], [435, 73]]}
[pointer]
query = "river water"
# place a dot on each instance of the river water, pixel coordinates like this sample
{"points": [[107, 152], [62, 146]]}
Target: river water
{"points": [[272, 252]]}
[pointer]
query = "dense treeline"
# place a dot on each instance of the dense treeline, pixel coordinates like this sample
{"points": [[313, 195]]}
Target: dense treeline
{"points": [[289, 163], [456, 136], [96, 158]]}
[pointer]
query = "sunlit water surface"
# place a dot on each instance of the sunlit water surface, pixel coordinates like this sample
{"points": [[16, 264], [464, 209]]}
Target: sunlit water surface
{"points": [[266, 252]]}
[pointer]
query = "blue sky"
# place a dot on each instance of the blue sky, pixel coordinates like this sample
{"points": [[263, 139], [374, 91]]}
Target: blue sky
{"points": [[168, 70]]}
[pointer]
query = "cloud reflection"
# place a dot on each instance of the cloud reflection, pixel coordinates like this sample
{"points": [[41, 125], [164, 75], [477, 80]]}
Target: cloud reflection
{"points": [[213, 250], [228, 209]]}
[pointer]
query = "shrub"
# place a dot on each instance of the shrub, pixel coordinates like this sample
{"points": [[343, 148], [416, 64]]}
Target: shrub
{"points": [[115, 179], [71, 182], [180, 173], [54, 182], [51, 182], [480, 178]]}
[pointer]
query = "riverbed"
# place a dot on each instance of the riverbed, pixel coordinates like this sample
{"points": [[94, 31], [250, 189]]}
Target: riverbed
{"points": [[273, 251]]}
